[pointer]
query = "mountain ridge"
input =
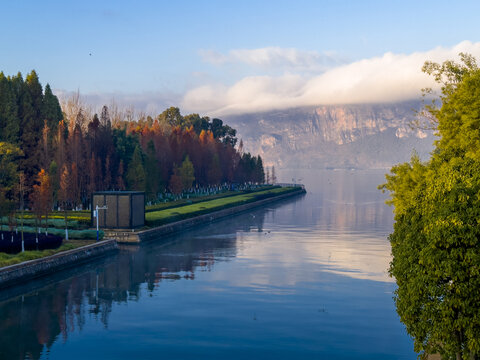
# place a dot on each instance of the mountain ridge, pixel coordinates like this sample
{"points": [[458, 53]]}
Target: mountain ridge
{"points": [[334, 136]]}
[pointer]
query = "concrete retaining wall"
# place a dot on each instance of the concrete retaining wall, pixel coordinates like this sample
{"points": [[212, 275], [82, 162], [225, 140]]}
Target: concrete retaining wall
{"points": [[28, 270], [19, 273], [202, 219]]}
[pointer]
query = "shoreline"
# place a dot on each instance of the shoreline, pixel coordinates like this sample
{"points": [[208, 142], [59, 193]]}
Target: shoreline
{"points": [[21, 273], [129, 237]]}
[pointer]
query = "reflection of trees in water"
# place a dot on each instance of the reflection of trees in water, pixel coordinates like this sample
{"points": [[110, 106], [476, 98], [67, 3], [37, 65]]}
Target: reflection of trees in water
{"points": [[33, 322]]}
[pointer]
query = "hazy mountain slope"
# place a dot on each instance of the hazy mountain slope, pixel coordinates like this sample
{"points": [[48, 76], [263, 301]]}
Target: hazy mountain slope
{"points": [[348, 136]]}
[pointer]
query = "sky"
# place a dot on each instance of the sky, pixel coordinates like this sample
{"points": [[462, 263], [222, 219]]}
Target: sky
{"points": [[225, 57]]}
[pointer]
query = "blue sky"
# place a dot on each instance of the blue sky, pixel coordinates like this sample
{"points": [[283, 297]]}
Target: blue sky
{"points": [[176, 51]]}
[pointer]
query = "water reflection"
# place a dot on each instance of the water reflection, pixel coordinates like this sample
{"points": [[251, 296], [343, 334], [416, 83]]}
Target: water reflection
{"points": [[33, 321], [298, 269]]}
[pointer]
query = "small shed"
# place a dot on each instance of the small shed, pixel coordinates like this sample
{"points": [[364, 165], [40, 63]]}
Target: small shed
{"points": [[124, 209]]}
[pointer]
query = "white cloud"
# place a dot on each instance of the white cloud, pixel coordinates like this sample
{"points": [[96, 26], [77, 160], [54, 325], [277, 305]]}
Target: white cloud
{"points": [[276, 58], [389, 78]]}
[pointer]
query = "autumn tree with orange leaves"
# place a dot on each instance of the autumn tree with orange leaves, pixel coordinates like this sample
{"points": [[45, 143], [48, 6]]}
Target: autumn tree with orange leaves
{"points": [[41, 198]]}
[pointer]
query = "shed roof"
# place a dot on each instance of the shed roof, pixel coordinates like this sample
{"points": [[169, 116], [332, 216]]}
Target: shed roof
{"points": [[118, 193]]}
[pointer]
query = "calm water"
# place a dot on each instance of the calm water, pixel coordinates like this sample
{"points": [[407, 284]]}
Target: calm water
{"points": [[301, 279]]}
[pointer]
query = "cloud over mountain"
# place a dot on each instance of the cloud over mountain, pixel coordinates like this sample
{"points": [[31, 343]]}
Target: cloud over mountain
{"points": [[389, 78]]}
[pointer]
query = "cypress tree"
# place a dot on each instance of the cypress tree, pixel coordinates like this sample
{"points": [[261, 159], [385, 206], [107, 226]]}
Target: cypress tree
{"points": [[152, 171], [29, 137], [51, 110], [259, 173], [9, 125], [34, 88], [136, 171], [187, 173]]}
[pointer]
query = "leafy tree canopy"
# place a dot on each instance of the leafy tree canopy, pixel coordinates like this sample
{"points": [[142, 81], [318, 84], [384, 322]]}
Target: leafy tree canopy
{"points": [[435, 243]]}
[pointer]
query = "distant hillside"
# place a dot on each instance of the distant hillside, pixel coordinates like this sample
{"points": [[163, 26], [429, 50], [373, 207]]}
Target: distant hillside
{"points": [[346, 136]]}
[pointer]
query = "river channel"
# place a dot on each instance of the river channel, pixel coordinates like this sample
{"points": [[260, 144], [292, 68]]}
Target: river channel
{"points": [[303, 278]]}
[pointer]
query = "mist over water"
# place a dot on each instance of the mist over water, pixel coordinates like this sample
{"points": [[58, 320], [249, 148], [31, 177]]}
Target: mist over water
{"points": [[302, 278]]}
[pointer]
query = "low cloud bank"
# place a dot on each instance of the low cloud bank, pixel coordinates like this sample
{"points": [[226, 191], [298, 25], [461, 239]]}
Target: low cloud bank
{"points": [[389, 78]]}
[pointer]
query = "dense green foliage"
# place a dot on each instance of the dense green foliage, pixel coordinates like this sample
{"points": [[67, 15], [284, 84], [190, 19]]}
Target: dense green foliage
{"points": [[25, 112], [435, 243]]}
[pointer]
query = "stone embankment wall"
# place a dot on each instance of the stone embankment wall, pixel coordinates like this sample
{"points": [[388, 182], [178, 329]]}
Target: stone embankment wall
{"points": [[20, 273], [28, 270], [154, 233]]}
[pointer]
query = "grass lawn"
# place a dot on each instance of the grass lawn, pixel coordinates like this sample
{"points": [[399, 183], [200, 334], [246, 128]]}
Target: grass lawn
{"points": [[161, 217], [11, 259], [194, 200]]}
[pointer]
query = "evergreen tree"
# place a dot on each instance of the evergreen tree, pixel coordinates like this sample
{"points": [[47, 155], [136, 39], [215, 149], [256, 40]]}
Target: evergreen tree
{"points": [[93, 134], [214, 171], [35, 90], [152, 171], [136, 171], [30, 131], [9, 122], [51, 110], [186, 173], [259, 175]]}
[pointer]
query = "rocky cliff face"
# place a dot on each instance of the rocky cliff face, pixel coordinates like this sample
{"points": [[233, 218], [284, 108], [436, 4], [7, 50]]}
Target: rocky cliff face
{"points": [[349, 136]]}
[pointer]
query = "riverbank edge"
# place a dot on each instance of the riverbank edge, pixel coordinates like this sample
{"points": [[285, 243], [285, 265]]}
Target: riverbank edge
{"points": [[28, 270], [124, 237], [23, 272]]}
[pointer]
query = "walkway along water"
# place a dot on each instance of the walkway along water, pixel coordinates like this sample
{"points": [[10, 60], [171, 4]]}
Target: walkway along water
{"points": [[20, 273]]}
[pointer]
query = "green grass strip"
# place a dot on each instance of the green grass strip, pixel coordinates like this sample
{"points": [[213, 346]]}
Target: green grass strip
{"points": [[194, 200], [162, 217]]}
